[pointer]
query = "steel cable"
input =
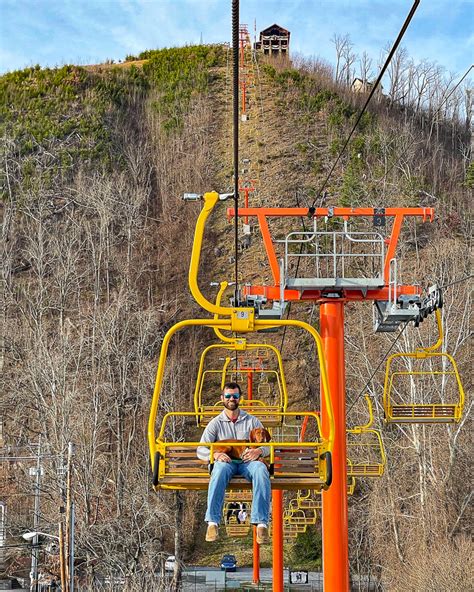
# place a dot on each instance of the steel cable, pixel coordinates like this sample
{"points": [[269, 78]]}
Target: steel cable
{"points": [[372, 92], [235, 93]]}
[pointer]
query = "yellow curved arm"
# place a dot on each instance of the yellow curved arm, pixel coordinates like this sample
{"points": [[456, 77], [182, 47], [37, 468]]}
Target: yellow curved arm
{"points": [[299, 495], [366, 426], [210, 200], [439, 343], [217, 331]]}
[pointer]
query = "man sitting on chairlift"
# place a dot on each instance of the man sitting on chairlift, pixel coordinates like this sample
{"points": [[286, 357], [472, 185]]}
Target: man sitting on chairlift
{"points": [[235, 424]]}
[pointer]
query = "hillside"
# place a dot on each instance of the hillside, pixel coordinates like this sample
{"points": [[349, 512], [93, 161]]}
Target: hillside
{"points": [[95, 251]]}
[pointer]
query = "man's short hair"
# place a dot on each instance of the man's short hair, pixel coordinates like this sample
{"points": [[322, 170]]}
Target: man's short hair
{"points": [[232, 386]]}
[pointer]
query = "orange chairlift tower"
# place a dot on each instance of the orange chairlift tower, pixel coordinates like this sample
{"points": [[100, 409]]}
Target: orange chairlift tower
{"points": [[326, 260], [245, 76]]}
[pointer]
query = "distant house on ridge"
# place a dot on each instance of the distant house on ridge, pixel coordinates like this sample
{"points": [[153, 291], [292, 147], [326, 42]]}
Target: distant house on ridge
{"points": [[274, 41], [364, 86]]}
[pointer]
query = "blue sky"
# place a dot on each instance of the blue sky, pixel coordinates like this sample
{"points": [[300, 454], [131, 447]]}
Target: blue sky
{"points": [[57, 32]]}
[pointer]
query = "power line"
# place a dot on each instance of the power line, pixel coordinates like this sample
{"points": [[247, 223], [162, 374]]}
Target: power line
{"points": [[372, 92], [447, 96]]}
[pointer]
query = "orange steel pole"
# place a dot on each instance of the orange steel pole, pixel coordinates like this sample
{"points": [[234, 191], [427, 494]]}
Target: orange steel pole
{"points": [[277, 529], [334, 500], [246, 192], [256, 558]]}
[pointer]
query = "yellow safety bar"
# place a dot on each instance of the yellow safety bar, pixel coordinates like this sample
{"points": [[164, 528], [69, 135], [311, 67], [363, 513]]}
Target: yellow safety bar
{"points": [[224, 372], [423, 412], [296, 510], [373, 441]]}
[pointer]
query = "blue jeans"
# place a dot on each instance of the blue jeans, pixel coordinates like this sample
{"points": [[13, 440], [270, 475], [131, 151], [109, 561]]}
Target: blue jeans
{"points": [[256, 473]]}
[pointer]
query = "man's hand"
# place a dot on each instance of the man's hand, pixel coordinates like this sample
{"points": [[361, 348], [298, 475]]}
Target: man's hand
{"points": [[251, 454], [222, 457]]}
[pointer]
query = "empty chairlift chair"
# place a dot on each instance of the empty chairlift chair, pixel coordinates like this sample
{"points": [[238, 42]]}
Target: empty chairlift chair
{"points": [[270, 384], [365, 450], [423, 386]]}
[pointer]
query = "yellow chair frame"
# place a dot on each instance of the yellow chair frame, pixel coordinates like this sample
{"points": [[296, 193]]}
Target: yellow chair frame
{"points": [[351, 483], [292, 464], [306, 502], [296, 515], [423, 412], [373, 441], [233, 528]]}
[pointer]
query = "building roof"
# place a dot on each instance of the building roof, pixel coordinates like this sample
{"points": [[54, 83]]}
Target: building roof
{"points": [[274, 30]]}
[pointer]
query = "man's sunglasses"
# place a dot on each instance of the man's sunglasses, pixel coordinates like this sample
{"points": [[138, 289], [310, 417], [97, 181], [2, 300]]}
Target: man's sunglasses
{"points": [[232, 396]]}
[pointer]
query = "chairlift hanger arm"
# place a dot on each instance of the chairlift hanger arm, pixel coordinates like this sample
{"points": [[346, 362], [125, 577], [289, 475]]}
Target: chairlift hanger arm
{"points": [[210, 200], [218, 332], [358, 429], [439, 342]]}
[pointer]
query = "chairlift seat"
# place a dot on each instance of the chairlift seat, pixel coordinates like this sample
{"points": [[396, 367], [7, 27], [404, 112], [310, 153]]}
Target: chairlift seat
{"points": [[434, 413], [294, 468]]}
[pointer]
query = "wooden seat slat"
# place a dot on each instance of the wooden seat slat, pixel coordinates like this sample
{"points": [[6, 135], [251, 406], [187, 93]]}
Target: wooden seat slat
{"points": [[433, 413]]}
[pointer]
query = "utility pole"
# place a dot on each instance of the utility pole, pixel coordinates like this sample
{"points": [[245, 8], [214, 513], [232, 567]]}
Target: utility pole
{"points": [[36, 515], [71, 550], [69, 538], [62, 562]]}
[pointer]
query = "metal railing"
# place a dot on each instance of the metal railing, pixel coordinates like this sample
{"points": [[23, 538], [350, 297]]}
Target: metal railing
{"points": [[336, 254]]}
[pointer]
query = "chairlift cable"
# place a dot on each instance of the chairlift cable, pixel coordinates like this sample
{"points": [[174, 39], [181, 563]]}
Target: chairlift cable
{"points": [[378, 366], [372, 92], [452, 90], [235, 92], [464, 279]]}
